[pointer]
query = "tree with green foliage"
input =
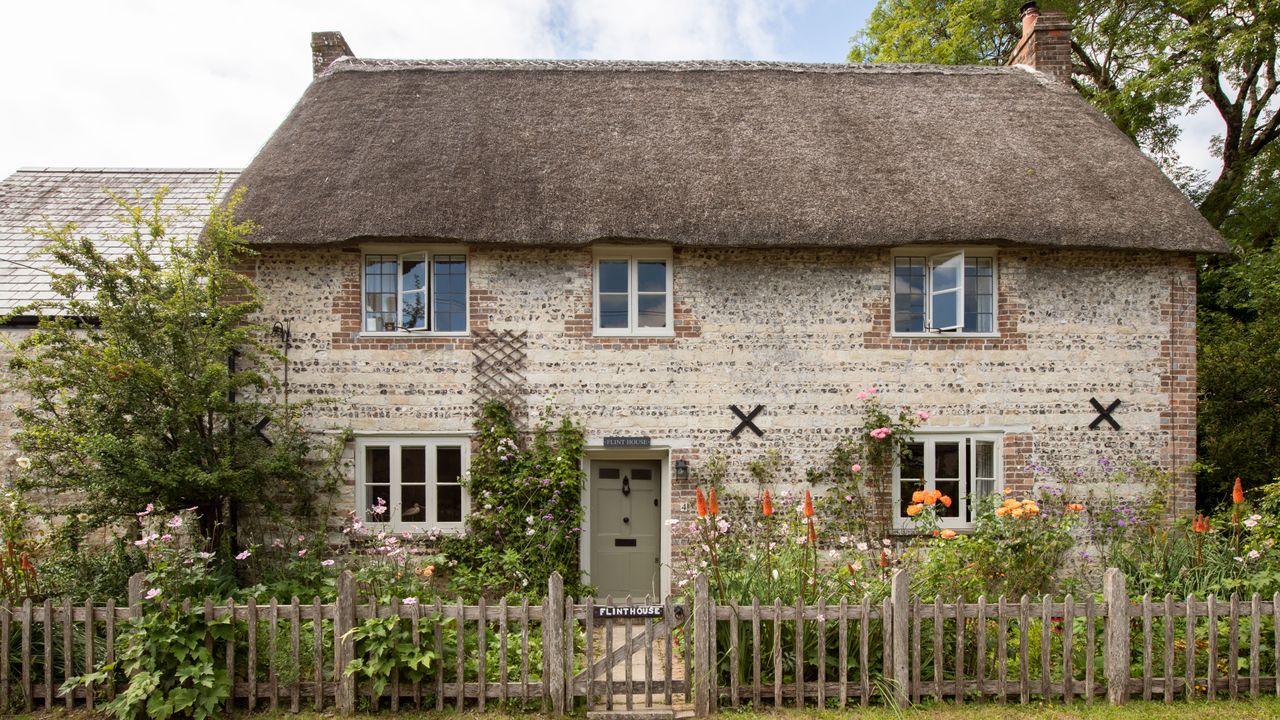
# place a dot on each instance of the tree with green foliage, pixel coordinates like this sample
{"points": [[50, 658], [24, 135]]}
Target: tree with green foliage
{"points": [[1141, 63], [1144, 64], [148, 379]]}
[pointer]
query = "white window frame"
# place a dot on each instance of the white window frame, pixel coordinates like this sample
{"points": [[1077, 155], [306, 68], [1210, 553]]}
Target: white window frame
{"points": [[965, 437], [632, 255], [932, 256], [396, 443], [401, 251]]}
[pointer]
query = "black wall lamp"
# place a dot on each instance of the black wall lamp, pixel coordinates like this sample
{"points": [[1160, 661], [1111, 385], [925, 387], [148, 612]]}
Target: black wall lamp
{"points": [[682, 469]]}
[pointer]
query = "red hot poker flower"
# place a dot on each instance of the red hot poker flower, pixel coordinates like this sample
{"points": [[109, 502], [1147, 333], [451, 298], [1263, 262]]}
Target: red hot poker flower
{"points": [[714, 504], [808, 503], [1237, 492], [767, 508], [702, 502]]}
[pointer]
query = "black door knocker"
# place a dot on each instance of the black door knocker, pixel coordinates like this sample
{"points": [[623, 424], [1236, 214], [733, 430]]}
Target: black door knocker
{"points": [[626, 485]]}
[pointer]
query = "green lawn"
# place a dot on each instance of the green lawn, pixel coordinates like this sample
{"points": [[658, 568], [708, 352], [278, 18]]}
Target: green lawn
{"points": [[1218, 710]]}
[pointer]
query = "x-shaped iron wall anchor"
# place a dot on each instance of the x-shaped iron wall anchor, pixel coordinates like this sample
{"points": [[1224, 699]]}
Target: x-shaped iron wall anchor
{"points": [[1104, 414], [746, 421]]}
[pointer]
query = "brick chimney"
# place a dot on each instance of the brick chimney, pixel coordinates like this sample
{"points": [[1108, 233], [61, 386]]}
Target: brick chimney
{"points": [[325, 48], [1045, 44]]}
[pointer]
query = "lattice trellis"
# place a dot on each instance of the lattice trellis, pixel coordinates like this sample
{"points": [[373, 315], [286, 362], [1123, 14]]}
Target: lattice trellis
{"points": [[498, 363]]}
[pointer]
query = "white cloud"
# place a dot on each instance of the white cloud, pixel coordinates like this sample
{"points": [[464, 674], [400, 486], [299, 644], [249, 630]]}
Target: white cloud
{"points": [[165, 83]]}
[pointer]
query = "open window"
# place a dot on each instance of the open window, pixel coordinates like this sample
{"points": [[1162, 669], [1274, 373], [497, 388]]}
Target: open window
{"points": [[415, 291], [950, 291]]}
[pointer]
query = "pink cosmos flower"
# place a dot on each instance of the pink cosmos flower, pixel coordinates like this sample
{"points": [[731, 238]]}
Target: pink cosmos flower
{"points": [[175, 521], [244, 555], [146, 511], [327, 563], [410, 601], [153, 593]]}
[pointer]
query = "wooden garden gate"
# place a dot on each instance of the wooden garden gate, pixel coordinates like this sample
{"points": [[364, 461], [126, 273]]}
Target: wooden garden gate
{"points": [[634, 655]]}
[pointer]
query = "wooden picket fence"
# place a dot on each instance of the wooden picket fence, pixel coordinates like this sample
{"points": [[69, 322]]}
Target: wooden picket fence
{"points": [[562, 652]]}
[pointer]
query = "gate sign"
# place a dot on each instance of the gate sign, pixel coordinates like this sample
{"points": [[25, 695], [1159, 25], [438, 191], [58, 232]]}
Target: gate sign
{"points": [[629, 611]]}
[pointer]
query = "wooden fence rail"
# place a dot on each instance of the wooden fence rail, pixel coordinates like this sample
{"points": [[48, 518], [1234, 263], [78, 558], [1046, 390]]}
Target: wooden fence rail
{"points": [[291, 655]]}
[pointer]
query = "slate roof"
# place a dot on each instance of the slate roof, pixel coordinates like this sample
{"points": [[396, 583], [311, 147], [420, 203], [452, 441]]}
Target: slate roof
{"points": [[37, 197], [707, 154]]}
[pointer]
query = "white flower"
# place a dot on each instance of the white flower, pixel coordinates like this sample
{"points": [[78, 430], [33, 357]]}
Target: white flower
{"points": [[673, 522], [886, 542], [1239, 559], [844, 539], [775, 573], [244, 555], [529, 531], [1250, 522], [327, 563], [862, 547], [410, 601], [24, 463], [1254, 554], [1255, 517], [528, 519]]}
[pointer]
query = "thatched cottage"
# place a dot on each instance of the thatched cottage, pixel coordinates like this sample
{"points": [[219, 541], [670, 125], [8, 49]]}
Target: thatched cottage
{"points": [[665, 247]]}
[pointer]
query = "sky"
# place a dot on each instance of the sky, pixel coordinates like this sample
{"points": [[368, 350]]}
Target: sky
{"points": [[175, 83]]}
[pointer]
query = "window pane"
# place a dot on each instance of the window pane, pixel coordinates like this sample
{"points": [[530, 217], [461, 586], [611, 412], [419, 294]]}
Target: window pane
{"points": [[380, 291], [613, 276], [413, 503], [449, 503], [909, 294], [979, 295], [613, 311], [946, 461], [448, 464], [377, 478], [950, 488], [377, 496], [945, 307], [652, 310], [413, 310], [906, 488], [413, 272], [652, 276], [413, 465], [449, 292], [913, 462]]}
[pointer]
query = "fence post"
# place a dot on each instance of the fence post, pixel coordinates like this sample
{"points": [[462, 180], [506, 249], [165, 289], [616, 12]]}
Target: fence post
{"points": [[135, 594], [344, 646], [553, 642], [1116, 596], [900, 623], [703, 626]]}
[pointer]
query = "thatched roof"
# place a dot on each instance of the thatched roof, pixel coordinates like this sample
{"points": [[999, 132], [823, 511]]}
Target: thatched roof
{"points": [[37, 198], [707, 153]]}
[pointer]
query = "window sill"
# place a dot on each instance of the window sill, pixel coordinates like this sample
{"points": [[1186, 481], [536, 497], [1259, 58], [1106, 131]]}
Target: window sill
{"points": [[406, 334], [628, 334], [943, 335]]}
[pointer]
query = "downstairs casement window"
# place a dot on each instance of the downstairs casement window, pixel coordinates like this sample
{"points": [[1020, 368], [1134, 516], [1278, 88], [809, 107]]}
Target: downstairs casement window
{"points": [[420, 291], [412, 484], [950, 292], [965, 467]]}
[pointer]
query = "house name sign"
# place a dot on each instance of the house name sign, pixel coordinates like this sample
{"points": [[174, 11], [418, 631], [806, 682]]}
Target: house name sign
{"points": [[641, 441], [629, 611]]}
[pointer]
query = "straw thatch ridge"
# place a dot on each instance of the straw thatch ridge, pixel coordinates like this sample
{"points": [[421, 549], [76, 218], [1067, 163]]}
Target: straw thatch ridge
{"points": [[707, 154]]}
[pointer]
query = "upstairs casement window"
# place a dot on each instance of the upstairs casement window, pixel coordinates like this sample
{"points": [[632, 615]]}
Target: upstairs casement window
{"points": [[964, 467], [420, 291], [944, 292], [412, 484], [633, 293]]}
